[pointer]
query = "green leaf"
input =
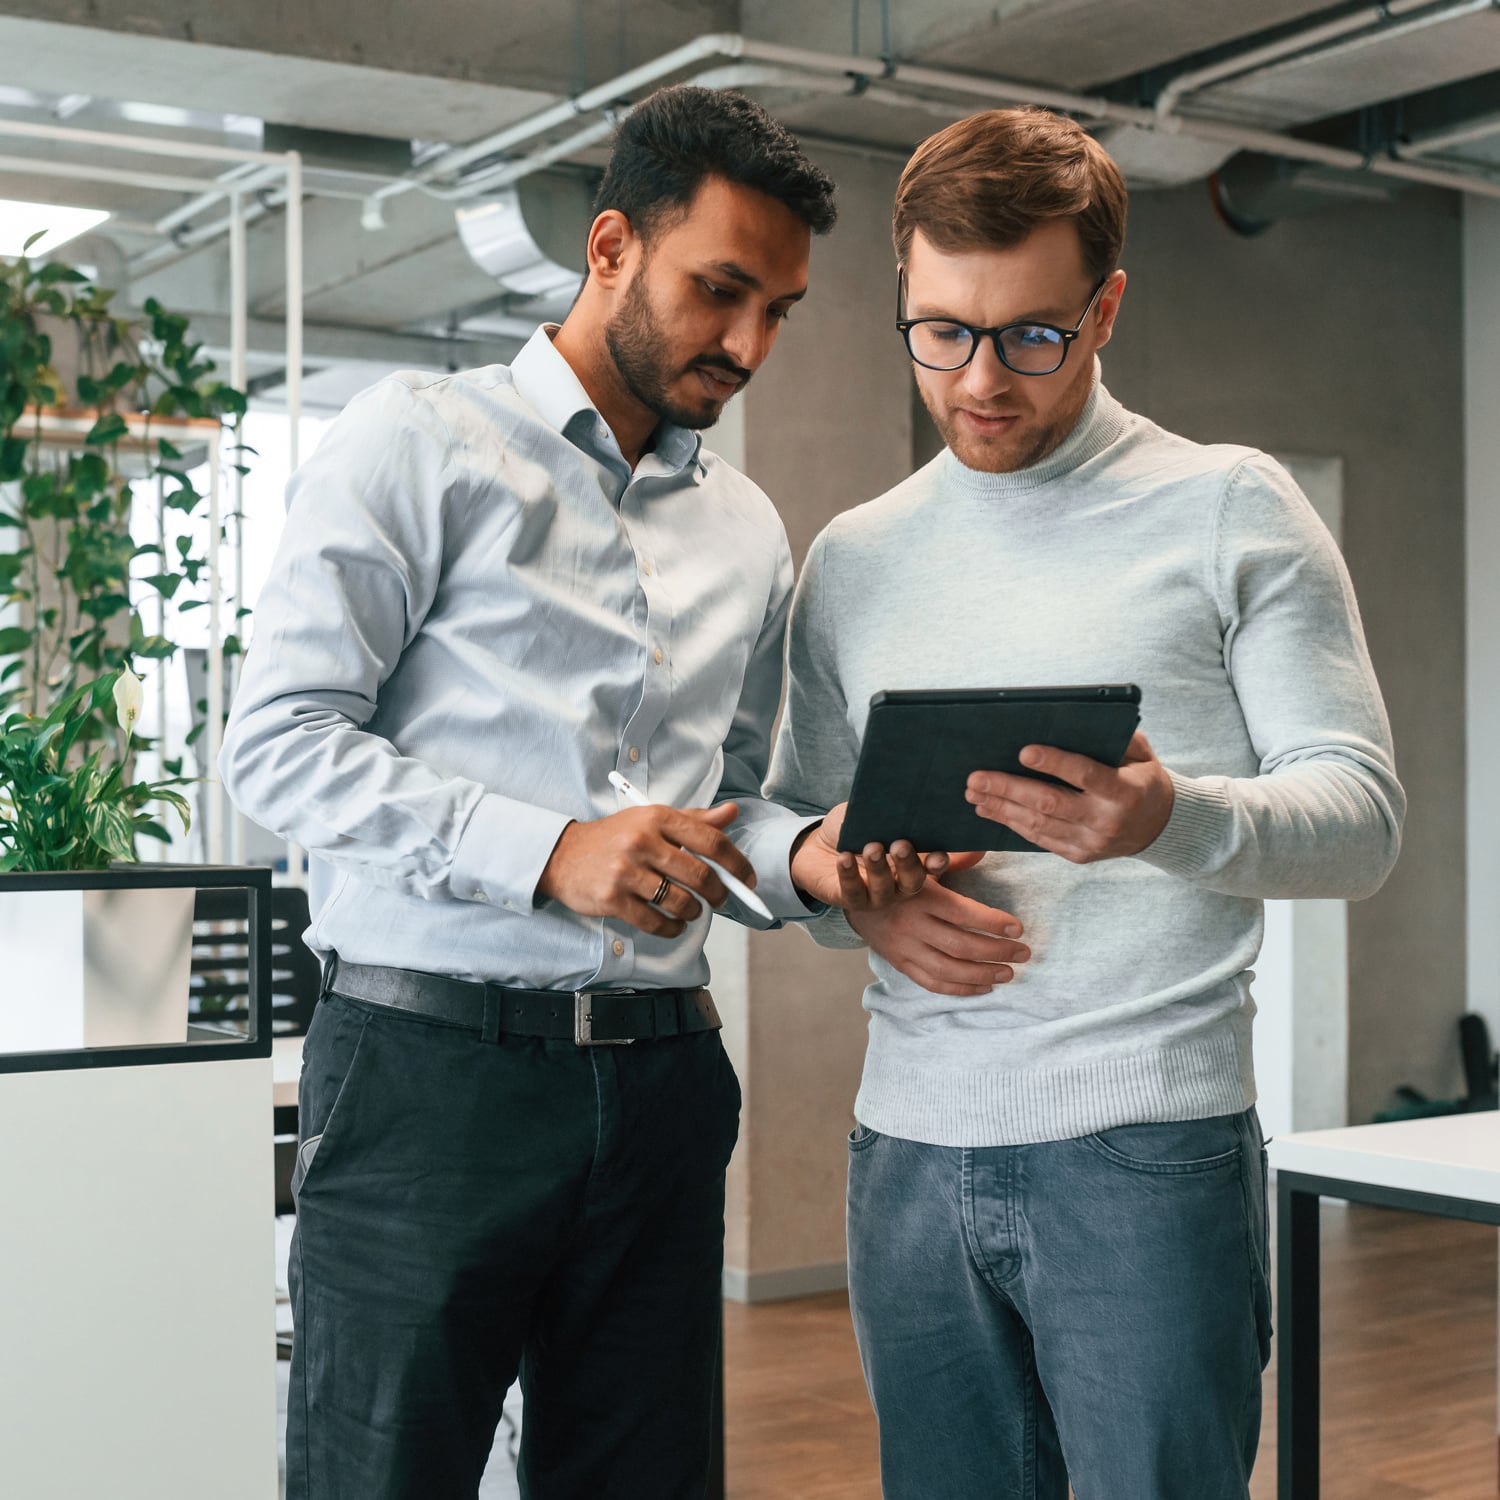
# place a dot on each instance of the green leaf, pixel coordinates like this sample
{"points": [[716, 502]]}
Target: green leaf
{"points": [[103, 606], [55, 271], [180, 803], [108, 429], [32, 239], [12, 458], [14, 639], [167, 450], [111, 828]]}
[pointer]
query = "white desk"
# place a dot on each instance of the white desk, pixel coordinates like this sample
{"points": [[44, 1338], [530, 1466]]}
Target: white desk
{"points": [[1449, 1165]]}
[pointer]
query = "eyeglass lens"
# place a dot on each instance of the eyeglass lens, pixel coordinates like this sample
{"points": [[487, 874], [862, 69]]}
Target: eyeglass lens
{"points": [[1030, 348]]}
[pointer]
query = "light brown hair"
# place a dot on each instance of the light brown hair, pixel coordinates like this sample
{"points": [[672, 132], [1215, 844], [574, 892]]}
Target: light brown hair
{"points": [[987, 181]]}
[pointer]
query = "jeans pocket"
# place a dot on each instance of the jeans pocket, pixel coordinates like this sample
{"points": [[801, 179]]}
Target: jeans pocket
{"points": [[1258, 1245], [862, 1137], [1172, 1148]]}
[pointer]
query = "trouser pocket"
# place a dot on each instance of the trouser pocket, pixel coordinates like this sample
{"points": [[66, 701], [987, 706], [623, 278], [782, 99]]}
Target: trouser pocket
{"points": [[329, 1057]]}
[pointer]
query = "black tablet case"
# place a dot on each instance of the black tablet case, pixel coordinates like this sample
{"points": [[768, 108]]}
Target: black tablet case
{"points": [[920, 747]]}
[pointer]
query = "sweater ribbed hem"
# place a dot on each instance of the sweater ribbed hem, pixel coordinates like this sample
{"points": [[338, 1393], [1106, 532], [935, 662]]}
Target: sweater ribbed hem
{"points": [[1010, 1107]]}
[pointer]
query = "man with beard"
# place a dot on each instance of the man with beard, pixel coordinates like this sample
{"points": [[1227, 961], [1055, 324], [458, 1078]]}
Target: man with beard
{"points": [[496, 588], [1057, 1209]]}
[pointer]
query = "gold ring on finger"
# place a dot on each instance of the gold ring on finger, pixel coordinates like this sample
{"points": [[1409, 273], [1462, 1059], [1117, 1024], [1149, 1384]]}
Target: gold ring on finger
{"points": [[661, 891]]}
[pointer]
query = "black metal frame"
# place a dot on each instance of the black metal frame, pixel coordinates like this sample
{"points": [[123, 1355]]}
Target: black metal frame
{"points": [[255, 881], [1298, 1336], [904, 327]]}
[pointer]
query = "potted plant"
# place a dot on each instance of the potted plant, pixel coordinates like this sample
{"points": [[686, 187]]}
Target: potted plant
{"points": [[71, 632]]}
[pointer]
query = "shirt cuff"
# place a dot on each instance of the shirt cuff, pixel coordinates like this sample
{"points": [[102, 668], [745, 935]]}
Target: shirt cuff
{"points": [[503, 851], [767, 844], [1197, 832]]}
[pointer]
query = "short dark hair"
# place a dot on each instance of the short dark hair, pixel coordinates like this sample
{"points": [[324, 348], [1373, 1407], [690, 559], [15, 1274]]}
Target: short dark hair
{"points": [[678, 137], [987, 181]]}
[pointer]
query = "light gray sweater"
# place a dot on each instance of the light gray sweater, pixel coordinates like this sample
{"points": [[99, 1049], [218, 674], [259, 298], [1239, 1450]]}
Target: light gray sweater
{"points": [[1128, 555]]}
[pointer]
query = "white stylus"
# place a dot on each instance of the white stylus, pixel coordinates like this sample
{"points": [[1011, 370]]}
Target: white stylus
{"points": [[735, 886]]}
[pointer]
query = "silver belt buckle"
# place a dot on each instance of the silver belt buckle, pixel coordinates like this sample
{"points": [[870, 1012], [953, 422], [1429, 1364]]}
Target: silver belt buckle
{"points": [[583, 1024]]}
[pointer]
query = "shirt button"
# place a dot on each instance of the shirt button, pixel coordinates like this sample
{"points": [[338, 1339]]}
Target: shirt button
{"points": [[619, 948], [480, 896], [658, 656], [646, 569], [635, 754]]}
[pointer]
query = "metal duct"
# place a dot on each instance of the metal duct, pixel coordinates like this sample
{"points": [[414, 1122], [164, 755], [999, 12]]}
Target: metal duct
{"points": [[530, 237]]}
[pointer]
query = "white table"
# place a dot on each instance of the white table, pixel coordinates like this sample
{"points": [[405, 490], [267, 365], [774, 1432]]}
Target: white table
{"points": [[1448, 1165]]}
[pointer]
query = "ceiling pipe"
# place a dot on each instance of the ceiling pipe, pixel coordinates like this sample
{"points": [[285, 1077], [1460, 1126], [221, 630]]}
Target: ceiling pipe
{"points": [[1313, 37], [588, 102], [1008, 91], [801, 67], [1457, 135]]}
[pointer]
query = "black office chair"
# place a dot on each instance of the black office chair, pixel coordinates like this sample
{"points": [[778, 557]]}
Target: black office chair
{"points": [[219, 993]]}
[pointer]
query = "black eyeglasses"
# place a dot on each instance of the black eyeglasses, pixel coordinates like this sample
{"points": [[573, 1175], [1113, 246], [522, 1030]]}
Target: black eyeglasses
{"points": [[1026, 348]]}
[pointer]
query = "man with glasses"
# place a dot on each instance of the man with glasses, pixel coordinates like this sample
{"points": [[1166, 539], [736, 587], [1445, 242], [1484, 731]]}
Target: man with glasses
{"points": [[1057, 1207]]}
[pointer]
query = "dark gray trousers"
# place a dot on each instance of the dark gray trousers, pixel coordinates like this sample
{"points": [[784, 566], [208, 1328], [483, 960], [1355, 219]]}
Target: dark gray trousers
{"points": [[465, 1211]]}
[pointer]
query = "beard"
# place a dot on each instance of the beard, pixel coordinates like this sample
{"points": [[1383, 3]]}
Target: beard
{"points": [[642, 355], [1029, 443]]}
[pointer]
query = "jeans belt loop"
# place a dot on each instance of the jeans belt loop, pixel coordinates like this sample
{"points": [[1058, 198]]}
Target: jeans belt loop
{"points": [[489, 1029]]}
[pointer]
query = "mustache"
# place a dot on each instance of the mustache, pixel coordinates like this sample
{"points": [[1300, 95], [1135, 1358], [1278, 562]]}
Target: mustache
{"points": [[720, 362]]}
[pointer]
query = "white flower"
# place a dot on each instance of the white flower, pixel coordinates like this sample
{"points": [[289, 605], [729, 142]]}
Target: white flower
{"points": [[128, 699]]}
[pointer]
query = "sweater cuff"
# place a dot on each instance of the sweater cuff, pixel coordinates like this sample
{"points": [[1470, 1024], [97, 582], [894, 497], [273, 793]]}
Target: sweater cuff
{"points": [[831, 929], [1198, 831]]}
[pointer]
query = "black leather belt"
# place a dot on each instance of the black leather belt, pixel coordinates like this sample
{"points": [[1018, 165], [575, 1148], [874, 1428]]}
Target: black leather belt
{"points": [[589, 1018]]}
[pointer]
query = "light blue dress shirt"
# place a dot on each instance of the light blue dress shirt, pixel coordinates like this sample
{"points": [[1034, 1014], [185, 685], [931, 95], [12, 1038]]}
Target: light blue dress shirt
{"points": [[477, 612]]}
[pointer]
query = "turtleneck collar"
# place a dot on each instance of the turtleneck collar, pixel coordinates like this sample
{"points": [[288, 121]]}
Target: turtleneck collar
{"points": [[1100, 423]]}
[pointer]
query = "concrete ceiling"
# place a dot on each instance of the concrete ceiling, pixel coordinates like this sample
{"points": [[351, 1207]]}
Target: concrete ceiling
{"points": [[390, 83]]}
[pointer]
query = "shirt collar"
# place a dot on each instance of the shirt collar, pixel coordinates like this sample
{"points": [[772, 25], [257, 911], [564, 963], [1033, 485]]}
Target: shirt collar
{"points": [[548, 384]]}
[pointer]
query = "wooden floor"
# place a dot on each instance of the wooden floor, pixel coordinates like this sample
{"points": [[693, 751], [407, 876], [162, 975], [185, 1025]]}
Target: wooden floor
{"points": [[1409, 1397]]}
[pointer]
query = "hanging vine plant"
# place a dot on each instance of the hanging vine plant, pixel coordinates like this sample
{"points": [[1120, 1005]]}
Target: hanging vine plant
{"points": [[67, 554]]}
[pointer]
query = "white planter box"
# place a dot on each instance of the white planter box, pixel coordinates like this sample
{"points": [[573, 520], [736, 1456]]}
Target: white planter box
{"points": [[94, 968], [137, 1342]]}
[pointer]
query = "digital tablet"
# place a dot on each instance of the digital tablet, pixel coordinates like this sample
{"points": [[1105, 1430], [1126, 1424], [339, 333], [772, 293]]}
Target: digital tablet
{"points": [[920, 748]]}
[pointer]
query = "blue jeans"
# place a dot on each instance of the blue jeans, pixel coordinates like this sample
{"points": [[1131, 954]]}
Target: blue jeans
{"points": [[1095, 1310]]}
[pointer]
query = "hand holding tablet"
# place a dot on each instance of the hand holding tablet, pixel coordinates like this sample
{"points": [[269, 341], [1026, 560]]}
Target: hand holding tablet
{"points": [[921, 749]]}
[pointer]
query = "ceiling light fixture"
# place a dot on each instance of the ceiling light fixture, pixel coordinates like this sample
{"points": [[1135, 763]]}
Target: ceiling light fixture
{"points": [[19, 221]]}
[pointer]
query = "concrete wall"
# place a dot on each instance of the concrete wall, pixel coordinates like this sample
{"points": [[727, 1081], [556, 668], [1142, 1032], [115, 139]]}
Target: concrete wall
{"points": [[1482, 441], [826, 426], [1337, 334]]}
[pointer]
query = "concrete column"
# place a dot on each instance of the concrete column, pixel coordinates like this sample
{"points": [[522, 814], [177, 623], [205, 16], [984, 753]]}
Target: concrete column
{"points": [[1482, 485], [826, 425]]}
